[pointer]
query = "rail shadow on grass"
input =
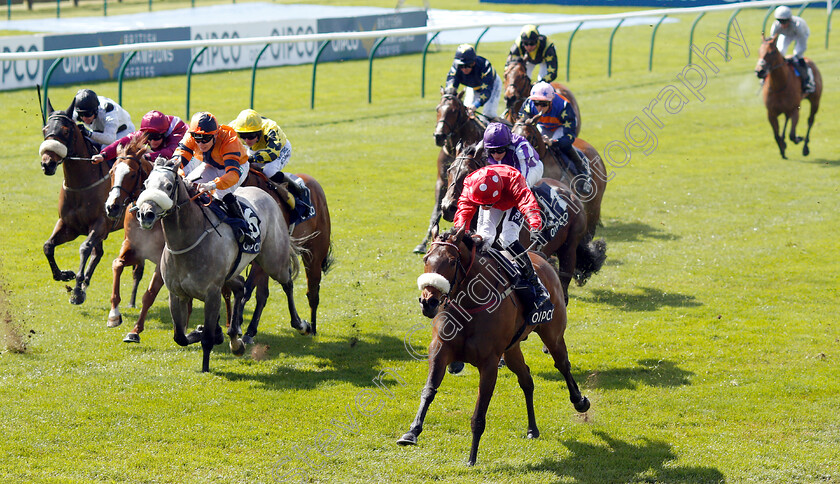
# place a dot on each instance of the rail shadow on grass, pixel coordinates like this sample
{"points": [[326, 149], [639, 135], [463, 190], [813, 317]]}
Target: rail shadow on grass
{"points": [[649, 372], [649, 299], [348, 360], [616, 460]]}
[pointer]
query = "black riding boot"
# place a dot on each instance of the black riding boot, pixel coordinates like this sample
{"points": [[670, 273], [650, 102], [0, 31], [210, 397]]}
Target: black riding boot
{"points": [[807, 82], [584, 183], [234, 211], [279, 178], [542, 302], [292, 187]]}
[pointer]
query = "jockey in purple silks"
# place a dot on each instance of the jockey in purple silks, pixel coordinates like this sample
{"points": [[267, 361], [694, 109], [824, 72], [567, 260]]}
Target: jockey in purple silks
{"points": [[504, 147]]}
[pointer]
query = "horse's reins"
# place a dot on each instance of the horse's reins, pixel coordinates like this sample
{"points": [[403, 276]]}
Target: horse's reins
{"points": [[458, 265]]}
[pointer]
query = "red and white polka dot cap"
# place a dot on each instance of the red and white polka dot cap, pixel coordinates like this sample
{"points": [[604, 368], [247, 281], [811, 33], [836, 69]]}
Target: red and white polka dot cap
{"points": [[488, 187]]}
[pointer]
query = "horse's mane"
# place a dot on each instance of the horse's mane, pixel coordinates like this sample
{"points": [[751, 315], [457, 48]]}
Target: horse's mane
{"points": [[514, 60], [451, 91], [469, 149], [137, 145], [451, 235]]}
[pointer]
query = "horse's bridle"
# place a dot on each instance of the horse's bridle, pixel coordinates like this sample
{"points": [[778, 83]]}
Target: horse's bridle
{"points": [[447, 298], [457, 159], [129, 194], [66, 142], [454, 126]]}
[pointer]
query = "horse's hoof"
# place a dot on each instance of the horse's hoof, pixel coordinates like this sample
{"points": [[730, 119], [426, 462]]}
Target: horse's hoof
{"points": [[583, 405], [545, 350], [303, 328], [407, 439], [237, 347], [78, 297], [219, 337], [182, 340], [533, 434], [131, 338], [420, 249], [192, 338], [66, 276], [455, 367], [114, 321], [502, 363], [248, 340], [806, 151]]}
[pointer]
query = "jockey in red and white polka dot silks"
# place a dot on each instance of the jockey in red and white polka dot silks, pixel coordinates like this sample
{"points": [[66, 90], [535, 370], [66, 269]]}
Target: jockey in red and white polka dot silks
{"points": [[497, 190], [506, 148]]}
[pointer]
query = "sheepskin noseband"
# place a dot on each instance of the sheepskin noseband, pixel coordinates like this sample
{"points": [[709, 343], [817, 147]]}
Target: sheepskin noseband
{"points": [[433, 279]]}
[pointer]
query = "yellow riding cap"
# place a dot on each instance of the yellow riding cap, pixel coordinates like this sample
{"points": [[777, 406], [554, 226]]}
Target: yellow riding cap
{"points": [[529, 33], [248, 121]]}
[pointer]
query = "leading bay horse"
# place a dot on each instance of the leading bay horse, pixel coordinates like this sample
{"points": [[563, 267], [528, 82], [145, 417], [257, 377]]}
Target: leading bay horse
{"points": [[81, 200], [782, 93], [578, 256], [202, 255], [518, 88], [454, 125], [556, 169], [477, 319]]}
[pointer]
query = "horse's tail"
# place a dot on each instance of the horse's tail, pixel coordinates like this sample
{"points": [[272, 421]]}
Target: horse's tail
{"points": [[329, 260], [298, 249], [590, 258]]}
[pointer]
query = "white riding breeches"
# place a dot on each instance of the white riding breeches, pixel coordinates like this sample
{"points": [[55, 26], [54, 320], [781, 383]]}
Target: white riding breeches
{"points": [[205, 173], [272, 167], [491, 107], [529, 68], [489, 219]]}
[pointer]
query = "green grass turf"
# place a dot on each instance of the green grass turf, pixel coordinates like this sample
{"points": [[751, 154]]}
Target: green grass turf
{"points": [[708, 344]]}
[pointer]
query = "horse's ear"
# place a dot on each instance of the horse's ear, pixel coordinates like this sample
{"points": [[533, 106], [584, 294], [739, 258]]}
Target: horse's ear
{"points": [[460, 233], [49, 107], [442, 90], [72, 106], [435, 231], [461, 95]]}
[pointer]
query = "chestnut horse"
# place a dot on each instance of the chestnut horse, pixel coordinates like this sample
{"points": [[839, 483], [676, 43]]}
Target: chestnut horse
{"points": [[81, 201], [128, 176], [313, 236], [518, 88], [554, 168], [453, 125], [479, 332], [782, 92], [577, 258]]}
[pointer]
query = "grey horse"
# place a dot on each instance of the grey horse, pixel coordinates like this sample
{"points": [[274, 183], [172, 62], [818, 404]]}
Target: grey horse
{"points": [[201, 256]]}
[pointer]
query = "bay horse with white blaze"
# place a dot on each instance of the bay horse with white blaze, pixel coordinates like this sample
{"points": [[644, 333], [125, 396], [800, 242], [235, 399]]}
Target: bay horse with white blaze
{"points": [[81, 201], [518, 87], [202, 255], [782, 93], [454, 125], [479, 332]]}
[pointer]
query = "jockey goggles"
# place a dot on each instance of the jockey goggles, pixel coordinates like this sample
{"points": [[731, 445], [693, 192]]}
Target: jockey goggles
{"points": [[495, 151], [85, 114], [529, 42], [155, 136], [202, 138], [542, 103], [250, 135]]}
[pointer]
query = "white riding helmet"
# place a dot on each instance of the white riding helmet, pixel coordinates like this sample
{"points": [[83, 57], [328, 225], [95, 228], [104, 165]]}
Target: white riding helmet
{"points": [[783, 13]]}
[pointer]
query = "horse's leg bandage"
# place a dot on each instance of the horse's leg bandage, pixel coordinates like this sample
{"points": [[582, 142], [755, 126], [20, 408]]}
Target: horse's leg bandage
{"points": [[435, 280]]}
